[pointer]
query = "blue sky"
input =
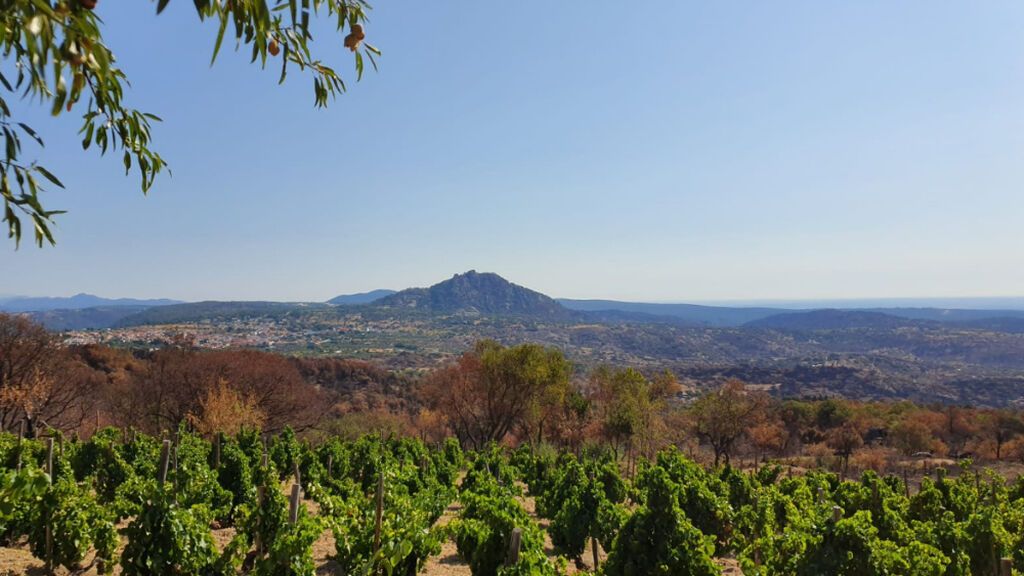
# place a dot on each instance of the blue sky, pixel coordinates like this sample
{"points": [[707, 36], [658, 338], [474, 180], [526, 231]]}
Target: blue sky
{"points": [[670, 151]]}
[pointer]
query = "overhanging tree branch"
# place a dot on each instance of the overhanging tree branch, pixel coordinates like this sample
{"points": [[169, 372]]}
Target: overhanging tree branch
{"points": [[52, 52]]}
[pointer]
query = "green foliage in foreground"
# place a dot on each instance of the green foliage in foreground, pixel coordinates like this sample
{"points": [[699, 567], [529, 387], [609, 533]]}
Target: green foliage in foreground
{"points": [[167, 538], [417, 489], [290, 551], [77, 522], [672, 518], [484, 529], [659, 539], [683, 513], [170, 531]]}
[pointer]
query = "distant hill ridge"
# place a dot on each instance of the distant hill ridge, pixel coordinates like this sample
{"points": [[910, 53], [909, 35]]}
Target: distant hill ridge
{"points": [[216, 310], [360, 298], [485, 293], [76, 302], [478, 293], [691, 313], [831, 319], [84, 318]]}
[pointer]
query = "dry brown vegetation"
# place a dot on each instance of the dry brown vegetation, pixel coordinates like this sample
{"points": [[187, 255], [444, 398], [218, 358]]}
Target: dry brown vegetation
{"points": [[516, 394]]}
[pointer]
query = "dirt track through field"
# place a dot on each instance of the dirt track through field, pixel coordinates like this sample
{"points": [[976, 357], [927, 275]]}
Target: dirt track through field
{"points": [[448, 562]]}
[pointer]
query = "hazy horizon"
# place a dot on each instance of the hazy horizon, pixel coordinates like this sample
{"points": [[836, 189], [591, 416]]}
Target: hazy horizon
{"points": [[670, 151], [967, 302]]}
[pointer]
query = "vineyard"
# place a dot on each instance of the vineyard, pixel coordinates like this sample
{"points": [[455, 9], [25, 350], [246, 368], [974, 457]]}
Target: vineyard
{"points": [[127, 503]]}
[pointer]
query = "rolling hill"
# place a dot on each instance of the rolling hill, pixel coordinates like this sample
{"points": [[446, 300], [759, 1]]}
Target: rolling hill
{"points": [[693, 314], [360, 298], [853, 353], [837, 320], [475, 293], [97, 317], [216, 310], [76, 302]]}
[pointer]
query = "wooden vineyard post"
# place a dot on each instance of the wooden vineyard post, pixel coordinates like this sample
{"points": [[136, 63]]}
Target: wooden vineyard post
{"points": [[49, 547], [49, 529], [821, 495], [21, 436], [837, 513], [174, 457], [593, 539], [259, 505], [165, 460], [380, 511], [513, 547], [174, 465], [629, 450], [49, 458], [330, 465], [298, 473], [757, 535], [1006, 567], [293, 510], [216, 451]]}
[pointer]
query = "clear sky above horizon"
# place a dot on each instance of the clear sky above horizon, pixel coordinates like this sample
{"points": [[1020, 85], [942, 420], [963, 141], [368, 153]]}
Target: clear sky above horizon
{"points": [[665, 150]]}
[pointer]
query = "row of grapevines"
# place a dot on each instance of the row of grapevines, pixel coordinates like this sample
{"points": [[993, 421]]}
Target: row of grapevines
{"points": [[584, 500], [234, 481], [491, 512], [681, 514], [413, 486]]}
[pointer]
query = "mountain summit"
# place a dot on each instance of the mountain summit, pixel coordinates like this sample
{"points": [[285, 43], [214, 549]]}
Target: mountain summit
{"points": [[475, 292]]}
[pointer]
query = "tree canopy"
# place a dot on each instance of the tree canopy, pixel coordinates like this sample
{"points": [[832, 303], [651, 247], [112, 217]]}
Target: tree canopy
{"points": [[722, 417], [493, 390], [54, 55]]}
